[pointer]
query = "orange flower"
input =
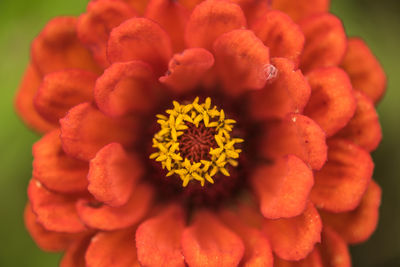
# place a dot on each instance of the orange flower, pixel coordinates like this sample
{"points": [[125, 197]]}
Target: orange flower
{"points": [[202, 133]]}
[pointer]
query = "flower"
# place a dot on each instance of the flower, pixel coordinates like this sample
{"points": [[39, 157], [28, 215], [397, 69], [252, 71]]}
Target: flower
{"points": [[201, 133]]}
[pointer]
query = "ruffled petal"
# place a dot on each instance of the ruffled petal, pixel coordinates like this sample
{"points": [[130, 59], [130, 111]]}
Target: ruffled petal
{"points": [[207, 242], [210, 19], [100, 216], [112, 249], [278, 32], [294, 238], [138, 5], [283, 187], [158, 239], [56, 212], [83, 131], [54, 169], [62, 90], [74, 256], [57, 48], [126, 87], [356, 226], [334, 250], [240, 59], [365, 72], [332, 103], [95, 25], [253, 9], [287, 93], [364, 128], [298, 135], [326, 42], [341, 183], [312, 260], [186, 69], [140, 39], [113, 174], [299, 9]]}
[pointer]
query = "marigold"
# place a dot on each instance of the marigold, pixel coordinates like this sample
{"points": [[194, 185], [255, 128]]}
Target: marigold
{"points": [[202, 133]]}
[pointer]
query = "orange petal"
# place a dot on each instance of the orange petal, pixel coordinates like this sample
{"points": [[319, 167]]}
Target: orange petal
{"points": [[62, 90], [210, 19], [54, 169], [74, 256], [158, 239], [56, 212], [113, 174], [294, 238], [208, 242], [83, 134], [298, 135], [186, 69], [95, 25], [253, 9], [101, 216], [283, 187], [57, 48], [190, 4], [299, 9], [357, 225], [364, 128], [24, 101], [332, 103], [312, 260], [325, 42], [334, 250], [278, 32], [287, 93], [140, 39], [138, 5], [365, 72], [341, 183], [112, 249], [240, 59]]}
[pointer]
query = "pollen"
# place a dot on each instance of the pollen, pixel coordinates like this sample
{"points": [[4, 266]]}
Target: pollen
{"points": [[195, 142]]}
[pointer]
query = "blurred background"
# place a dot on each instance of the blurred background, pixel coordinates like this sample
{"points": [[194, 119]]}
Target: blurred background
{"points": [[378, 22]]}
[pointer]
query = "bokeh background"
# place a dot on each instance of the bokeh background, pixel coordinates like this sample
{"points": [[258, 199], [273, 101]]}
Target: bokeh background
{"points": [[378, 22]]}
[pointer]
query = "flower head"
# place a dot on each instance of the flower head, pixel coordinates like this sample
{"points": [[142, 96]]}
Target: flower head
{"points": [[202, 133]]}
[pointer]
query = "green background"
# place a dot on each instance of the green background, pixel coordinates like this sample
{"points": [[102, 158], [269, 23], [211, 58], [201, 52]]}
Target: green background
{"points": [[378, 22]]}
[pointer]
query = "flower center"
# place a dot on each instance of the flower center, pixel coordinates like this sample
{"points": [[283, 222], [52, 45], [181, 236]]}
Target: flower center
{"points": [[195, 142]]}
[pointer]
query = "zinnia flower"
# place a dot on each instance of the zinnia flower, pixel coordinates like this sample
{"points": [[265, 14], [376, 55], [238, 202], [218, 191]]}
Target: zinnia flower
{"points": [[202, 133]]}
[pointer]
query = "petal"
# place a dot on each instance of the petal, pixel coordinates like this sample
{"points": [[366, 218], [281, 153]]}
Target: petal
{"points": [[341, 183], [356, 226], [172, 17], [299, 9], [210, 19], [54, 169], [278, 32], [364, 69], [56, 212], [240, 58], [83, 134], [113, 174], [288, 93], [332, 103], [298, 135], [312, 260], [294, 238], [57, 48], [75, 254], [140, 39], [253, 9], [100, 216], [208, 242], [62, 90], [325, 42], [190, 4], [364, 128], [283, 187], [186, 69], [334, 250], [138, 5], [24, 101], [95, 25], [158, 239], [112, 249]]}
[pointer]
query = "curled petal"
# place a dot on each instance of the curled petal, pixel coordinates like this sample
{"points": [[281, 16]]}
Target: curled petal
{"points": [[334, 250], [299, 9], [332, 103], [253, 9], [158, 239], [341, 183], [138, 5], [208, 242], [210, 19], [312, 260], [74, 256]]}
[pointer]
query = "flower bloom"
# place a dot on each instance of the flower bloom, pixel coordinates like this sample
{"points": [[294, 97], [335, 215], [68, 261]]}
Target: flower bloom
{"points": [[202, 133]]}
